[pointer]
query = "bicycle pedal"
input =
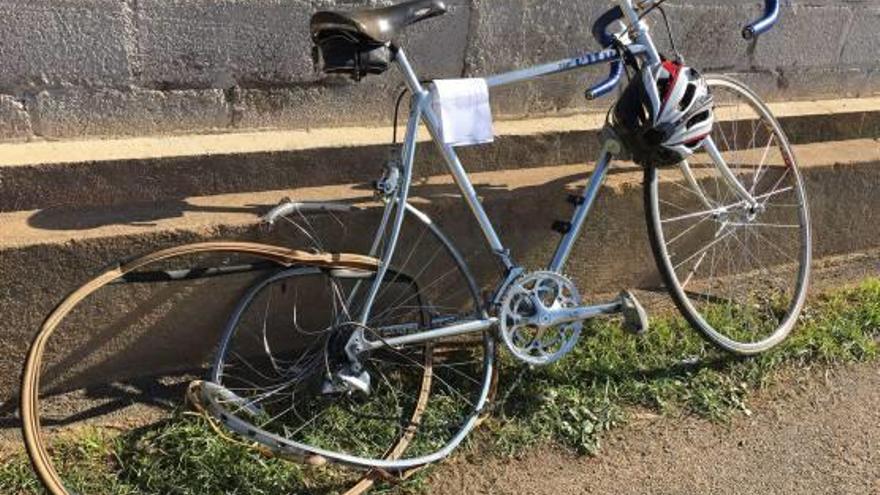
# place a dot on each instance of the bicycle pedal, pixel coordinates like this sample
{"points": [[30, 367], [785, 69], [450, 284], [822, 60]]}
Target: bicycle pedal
{"points": [[635, 318]]}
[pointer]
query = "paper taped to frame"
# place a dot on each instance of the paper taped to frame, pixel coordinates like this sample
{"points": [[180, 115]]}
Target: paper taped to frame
{"points": [[464, 111]]}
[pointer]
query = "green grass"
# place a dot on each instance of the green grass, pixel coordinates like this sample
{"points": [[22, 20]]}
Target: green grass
{"points": [[670, 371], [181, 456]]}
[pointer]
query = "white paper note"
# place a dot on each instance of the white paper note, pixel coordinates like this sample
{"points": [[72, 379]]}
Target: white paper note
{"points": [[464, 111]]}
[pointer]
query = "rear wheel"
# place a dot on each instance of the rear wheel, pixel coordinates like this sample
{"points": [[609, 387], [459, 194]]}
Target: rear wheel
{"points": [[738, 274], [105, 376], [282, 378]]}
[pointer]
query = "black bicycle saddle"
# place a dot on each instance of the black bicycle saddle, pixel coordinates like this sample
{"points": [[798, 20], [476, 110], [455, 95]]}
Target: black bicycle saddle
{"points": [[378, 25]]}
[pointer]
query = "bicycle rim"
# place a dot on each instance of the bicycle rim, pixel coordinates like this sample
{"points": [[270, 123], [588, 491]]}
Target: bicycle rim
{"points": [[423, 400], [738, 276], [118, 362]]}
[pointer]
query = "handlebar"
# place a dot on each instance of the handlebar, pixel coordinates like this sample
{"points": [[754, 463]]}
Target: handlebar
{"points": [[600, 27], [600, 33], [608, 85], [771, 15]]}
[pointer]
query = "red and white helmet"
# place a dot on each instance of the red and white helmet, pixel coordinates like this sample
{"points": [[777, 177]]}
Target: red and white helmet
{"points": [[663, 115]]}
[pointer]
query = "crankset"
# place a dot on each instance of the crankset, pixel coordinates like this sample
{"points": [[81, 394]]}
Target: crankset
{"points": [[540, 316], [529, 317]]}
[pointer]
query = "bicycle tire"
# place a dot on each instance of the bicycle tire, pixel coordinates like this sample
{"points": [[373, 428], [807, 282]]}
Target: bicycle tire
{"points": [[35, 445], [687, 301]]}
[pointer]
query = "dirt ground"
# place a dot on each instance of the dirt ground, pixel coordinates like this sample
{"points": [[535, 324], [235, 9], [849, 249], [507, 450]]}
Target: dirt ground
{"points": [[817, 434]]}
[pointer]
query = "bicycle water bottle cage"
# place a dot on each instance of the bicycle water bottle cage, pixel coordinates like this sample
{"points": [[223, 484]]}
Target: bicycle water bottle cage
{"points": [[358, 43]]}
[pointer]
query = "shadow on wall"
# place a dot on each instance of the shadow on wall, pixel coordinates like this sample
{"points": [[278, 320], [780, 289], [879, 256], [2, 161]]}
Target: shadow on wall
{"points": [[149, 213], [522, 217], [143, 214], [135, 344]]}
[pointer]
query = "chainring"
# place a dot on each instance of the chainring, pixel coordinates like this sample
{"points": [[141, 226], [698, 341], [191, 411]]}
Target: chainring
{"points": [[520, 323]]}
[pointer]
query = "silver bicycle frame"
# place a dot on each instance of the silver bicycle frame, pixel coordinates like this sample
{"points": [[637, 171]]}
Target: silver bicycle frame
{"points": [[422, 112]]}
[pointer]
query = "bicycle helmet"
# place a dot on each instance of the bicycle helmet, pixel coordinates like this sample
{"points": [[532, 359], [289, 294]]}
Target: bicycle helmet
{"points": [[663, 114]]}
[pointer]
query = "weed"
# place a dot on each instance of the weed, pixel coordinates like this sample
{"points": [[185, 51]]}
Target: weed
{"points": [[671, 370]]}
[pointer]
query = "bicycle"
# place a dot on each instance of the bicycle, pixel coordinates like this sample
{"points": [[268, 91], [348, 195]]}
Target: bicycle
{"points": [[392, 362]]}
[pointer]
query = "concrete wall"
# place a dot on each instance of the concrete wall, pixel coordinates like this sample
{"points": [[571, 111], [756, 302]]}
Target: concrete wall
{"points": [[98, 67]]}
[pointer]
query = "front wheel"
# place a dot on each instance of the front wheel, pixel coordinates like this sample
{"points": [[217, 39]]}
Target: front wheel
{"points": [[738, 274]]}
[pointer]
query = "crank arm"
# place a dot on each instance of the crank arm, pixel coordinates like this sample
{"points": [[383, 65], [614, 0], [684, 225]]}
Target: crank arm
{"points": [[634, 315], [556, 317]]}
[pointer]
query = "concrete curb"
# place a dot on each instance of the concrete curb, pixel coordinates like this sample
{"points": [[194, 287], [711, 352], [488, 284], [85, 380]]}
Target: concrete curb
{"points": [[45, 254], [41, 175]]}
